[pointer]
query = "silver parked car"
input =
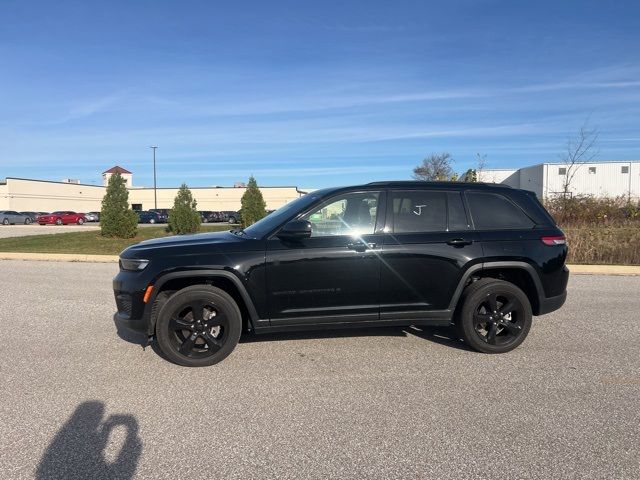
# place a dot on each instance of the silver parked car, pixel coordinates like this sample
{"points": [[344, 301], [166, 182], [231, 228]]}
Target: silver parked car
{"points": [[10, 217], [92, 216]]}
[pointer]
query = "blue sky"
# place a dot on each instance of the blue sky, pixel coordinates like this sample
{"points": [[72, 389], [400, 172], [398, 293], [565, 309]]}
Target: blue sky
{"points": [[309, 93]]}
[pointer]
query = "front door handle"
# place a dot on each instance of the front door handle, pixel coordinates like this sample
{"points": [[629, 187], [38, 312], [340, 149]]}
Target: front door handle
{"points": [[360, 246], [459, 242]]}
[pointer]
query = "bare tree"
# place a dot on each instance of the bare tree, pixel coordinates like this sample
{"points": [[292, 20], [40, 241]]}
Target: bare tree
{"points": [[475, 174], [481, 165], [579, 150], [436, 166]]}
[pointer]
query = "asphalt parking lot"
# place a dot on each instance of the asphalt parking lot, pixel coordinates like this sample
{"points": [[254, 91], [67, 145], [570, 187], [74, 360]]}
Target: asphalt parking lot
{"points": [[78, 401], [9, 231]]}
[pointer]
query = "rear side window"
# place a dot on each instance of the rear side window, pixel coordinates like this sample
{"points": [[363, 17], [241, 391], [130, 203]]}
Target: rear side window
{"points": [[457, 216], [491, 211], [419, 211]]}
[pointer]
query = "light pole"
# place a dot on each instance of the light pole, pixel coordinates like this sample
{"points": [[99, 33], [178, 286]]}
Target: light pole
{"points": [[155, 195]]}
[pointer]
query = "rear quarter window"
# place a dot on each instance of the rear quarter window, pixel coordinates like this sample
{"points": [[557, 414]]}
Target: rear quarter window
{"points": [[492, 211]]}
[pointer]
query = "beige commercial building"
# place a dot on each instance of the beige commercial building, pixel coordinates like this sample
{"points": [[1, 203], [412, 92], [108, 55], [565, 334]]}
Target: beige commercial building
{"points": [[26, 195]]}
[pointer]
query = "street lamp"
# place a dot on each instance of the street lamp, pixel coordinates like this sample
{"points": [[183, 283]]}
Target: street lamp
{"points": [[155, 195]]}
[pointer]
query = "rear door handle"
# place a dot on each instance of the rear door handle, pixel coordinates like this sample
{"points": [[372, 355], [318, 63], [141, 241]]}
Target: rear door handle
{"points": [[459, 242], [360, 247]]}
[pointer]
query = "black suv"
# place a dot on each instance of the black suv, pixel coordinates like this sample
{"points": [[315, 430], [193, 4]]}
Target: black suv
{"points": [[481, 258]]}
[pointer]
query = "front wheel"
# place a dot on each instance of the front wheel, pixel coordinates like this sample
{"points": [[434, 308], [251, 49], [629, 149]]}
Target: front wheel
{"points": [[27, 221], [198, 326], [232, 219], [495, 316], [81, 221], [152, 221], [5, 221], [59, 221]]}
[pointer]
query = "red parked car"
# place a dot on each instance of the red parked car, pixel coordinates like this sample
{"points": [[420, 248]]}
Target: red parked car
{"points": [[62, 218]]}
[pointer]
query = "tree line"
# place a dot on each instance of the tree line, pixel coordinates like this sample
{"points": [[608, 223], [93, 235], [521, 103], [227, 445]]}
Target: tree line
{"points": [[119, 221]]}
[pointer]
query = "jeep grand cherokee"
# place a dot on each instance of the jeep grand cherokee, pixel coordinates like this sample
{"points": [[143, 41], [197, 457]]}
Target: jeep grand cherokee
{"points": [[481, 258]]}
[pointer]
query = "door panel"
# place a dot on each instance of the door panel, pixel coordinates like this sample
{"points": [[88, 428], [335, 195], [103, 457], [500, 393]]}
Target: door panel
{"points": [[420, 272], [429, 246], [333, 276], [320, 277]]}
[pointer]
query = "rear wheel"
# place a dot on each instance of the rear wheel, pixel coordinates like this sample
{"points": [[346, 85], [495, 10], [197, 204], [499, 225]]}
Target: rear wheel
{"points": [[80, 221], [232, 219], [27, 221], [5, 221], [495, 316], [58, 221], [198, 326]]}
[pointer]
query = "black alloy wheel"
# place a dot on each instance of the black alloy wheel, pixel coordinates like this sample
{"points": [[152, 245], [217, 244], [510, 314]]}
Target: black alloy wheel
{"points": [[498, 319], [494, 317], [198, 326]]}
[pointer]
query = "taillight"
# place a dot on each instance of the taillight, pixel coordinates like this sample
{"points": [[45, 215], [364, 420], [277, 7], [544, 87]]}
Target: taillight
{"points": [[554, 240]]}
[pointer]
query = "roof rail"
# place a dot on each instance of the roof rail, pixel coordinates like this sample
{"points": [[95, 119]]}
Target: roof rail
{"points": [[437, 183]]}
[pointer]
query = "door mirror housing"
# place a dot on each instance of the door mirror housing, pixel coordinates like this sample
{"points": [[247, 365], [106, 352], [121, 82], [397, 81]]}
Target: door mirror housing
{"points": [[295, 230]]}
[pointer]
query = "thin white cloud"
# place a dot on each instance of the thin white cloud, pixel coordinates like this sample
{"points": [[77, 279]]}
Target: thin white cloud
{"points": [[88, 108]]}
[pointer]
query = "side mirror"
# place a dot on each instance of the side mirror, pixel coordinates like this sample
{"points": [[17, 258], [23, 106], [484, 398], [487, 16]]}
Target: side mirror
{"points": [[294, 230]]}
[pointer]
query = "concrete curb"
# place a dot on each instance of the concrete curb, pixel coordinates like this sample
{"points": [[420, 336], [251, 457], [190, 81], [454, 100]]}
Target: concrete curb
{"points": [[59, 257], [604, 269], [77, 257]]}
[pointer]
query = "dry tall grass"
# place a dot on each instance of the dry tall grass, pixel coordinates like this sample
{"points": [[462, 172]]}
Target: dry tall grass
{"points": [[604, 245]]}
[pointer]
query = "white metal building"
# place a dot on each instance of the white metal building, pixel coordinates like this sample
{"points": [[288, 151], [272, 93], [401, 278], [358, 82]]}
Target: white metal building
{"points": [[599, 179]]}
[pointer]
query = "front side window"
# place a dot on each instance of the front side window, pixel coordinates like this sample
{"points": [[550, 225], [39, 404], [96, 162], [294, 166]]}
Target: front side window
{"points": [[419, 211], [347, 214], [491, 211]]}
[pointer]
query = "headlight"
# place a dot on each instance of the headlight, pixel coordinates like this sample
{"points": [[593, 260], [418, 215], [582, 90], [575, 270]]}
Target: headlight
{"points": [[133, 264]]}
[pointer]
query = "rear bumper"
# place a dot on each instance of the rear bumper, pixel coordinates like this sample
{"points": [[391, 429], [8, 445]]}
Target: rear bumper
{"points": [[550, 304]]}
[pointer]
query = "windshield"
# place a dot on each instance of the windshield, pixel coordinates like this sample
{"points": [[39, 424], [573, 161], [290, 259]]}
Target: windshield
{"points": [[275, 219]]}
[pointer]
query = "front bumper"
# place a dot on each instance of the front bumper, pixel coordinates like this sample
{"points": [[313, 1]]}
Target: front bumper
{"points": [[139, 325], [133, 314]]}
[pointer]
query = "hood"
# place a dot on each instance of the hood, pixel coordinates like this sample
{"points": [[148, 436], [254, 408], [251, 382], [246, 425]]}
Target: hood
{"points": [[185, 244]]}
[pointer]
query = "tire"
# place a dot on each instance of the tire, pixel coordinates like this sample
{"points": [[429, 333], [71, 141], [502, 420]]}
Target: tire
{"points": [[5, 221], [152, 221], [58, 221], [27, 221], [484, 323], [80, 221], [232, 219], [192, 344]]}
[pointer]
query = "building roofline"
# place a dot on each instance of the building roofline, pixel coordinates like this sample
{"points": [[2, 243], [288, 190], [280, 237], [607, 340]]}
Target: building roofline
{"points": [[54, 181], [118, 169], [210, 188], [590, 162], [136, 188]]}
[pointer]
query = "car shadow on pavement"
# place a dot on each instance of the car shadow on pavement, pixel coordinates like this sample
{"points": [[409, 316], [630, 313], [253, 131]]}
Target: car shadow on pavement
{"points": [[78, 449], [441, 335]]}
